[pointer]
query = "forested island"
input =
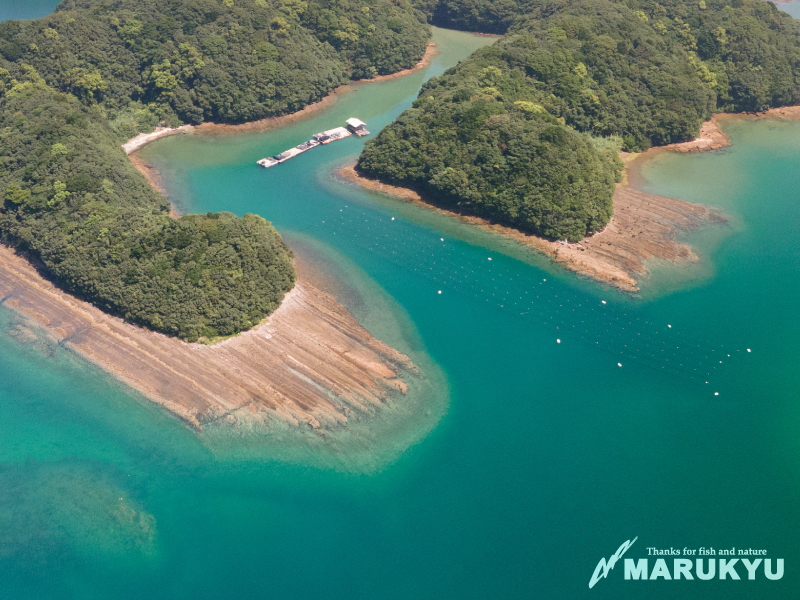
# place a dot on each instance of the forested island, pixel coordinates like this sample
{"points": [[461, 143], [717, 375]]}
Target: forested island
{"points": [[77, 83], [526, 132]]}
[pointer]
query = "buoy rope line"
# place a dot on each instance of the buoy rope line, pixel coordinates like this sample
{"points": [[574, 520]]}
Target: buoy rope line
{"points": [[574, 315]]}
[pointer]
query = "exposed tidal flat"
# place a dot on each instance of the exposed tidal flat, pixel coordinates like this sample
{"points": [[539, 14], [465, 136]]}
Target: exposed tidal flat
{"points": [[547, 458]]}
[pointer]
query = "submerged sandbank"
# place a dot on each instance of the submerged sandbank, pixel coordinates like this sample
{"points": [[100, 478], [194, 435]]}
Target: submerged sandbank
{"points": [[644, 226], [310, 363]]}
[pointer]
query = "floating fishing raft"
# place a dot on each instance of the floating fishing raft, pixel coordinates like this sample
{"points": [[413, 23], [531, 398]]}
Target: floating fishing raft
{"points": [[354, 126]]}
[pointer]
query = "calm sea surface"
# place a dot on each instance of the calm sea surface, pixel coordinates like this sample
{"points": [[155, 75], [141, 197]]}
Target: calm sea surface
{"points": [[26, 9], [792, 7], [537, 458]]}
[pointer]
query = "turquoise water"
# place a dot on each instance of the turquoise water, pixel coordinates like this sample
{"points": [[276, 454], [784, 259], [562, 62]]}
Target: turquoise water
{"points": [[547, 456], [26, 9]]}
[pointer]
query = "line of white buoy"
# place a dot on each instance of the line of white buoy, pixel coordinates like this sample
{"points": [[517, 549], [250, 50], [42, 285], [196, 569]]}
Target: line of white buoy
{"points": [[607, 328]]}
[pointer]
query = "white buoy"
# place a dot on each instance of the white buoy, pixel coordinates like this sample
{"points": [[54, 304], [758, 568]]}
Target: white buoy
{"points": [[558, 341], [619, 364], [749, 350], [670, 326], [716, 393], [440, 291], [603, 301], [490, 258], [392, 218], [441, 239]]}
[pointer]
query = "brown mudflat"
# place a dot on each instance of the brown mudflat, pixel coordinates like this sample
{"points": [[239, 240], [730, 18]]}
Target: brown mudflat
{"points": [[310, 363]]}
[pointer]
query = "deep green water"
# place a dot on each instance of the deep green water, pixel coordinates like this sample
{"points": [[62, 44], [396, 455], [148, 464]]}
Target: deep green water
{"points": [[545, 456]]}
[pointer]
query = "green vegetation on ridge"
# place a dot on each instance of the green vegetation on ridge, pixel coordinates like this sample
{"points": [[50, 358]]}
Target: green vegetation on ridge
{"points": [[481, 139], [215, 60], [75, 84], [485, 16]]}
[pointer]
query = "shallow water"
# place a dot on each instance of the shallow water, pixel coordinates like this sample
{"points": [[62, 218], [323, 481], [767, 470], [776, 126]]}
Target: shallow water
{"points": [[548, 456]]}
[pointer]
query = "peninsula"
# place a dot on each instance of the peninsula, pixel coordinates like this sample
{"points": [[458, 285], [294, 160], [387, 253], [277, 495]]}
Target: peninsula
{"points": [[644, 227], [309, 364], [99, 258], [525, 136], [76, 84]]}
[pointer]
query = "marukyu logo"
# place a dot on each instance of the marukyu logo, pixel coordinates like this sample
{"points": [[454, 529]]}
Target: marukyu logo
{"points": [[749, 563], [604, 566]]}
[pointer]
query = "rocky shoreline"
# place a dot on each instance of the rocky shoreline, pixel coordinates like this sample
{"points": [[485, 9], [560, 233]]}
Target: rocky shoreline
{"points": [[711, 138], [309, 364], [644, 226]]}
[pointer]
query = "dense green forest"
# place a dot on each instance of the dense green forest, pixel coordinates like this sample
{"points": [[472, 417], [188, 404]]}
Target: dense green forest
{"points": [[73, 85], [73, 200], [485, 16], [482, 138], [218, 60]]}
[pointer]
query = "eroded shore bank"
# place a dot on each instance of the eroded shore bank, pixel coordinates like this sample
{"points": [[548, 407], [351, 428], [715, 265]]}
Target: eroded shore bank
{"points": [[309, 363], [644, 227]]}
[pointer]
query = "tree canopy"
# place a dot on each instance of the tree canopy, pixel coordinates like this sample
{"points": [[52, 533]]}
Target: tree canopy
{"points": [[570, 81], [73, 85], [214, 60]]}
